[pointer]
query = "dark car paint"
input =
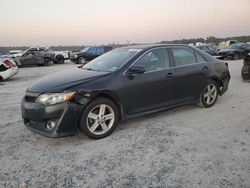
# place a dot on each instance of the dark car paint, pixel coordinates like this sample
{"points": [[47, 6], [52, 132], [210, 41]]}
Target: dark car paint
{"points": [[88, 56], [134, 95], [34, 56], [230, 52], [208, 49]]}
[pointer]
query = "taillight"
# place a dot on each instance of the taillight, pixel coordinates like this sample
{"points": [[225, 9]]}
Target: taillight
{"points": [[8, 63]]}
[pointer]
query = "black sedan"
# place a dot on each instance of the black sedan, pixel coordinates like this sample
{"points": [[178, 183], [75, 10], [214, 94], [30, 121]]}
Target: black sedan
{"points": [[235, 51], [122, 84]]}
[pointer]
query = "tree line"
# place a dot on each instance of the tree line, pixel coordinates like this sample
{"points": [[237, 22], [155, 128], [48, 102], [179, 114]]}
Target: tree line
{"points": [[210, 39]]}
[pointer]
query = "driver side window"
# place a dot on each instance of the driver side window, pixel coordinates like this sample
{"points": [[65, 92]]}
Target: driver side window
{"points": [[154, 60]]}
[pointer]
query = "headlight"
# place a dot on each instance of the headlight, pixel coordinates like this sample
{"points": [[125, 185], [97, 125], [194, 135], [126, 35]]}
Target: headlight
{"points": [[54, 98], [75, 56]]}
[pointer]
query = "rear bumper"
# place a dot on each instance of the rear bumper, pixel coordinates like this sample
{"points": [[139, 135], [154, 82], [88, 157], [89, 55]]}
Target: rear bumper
{"points": [[12, 71], [225, 83]]}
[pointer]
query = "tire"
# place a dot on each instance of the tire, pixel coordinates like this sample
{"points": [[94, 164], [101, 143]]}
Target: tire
{"points": [[82, 60], [93, 122], [209, 94], [47, 62], [245, 72], [59, 59], [235, 57]]}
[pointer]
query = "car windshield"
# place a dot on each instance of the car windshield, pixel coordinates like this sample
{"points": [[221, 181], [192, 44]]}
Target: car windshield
{"points": [[86, 49], [111, 61], [235, 46]]}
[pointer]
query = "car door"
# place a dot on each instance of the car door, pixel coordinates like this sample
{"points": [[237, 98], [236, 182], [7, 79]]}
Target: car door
{"points": [[152, 89], [191, 73], [27, 58], [91, 54]]}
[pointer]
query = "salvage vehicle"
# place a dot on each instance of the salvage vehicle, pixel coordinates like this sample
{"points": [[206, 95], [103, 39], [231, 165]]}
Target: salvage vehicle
{"points": [[245, 71], [8, 68], [235, 51], [208, 49], [121, 84], [35, 56], [88, 54]]}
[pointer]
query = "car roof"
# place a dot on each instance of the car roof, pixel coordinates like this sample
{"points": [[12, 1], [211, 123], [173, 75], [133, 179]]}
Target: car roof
{"points": [[149, 46]]}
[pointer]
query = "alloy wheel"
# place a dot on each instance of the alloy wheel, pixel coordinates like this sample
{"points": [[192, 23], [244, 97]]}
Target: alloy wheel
{"points": [[210, 94], [100, 119], [82, 60]]}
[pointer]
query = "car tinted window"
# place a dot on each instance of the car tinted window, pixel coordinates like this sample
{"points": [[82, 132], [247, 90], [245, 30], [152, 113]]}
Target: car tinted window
{"points": [[154, 60], [112, 60], [199, 58], [183, 56]]}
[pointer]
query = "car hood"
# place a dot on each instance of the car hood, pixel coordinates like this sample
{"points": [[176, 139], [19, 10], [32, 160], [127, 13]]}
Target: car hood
{"points": [[77, 53], [61, 81], [228, 50]]}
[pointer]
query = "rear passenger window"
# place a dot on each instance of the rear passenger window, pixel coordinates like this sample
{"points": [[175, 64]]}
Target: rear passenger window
{"points": [[183, 56]]}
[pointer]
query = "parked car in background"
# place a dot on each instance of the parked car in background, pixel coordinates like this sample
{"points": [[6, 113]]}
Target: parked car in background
{"points": [[12, 54], [235, 51], [88, 54], [121, 84], [8, 68], [245, 71], [226, 44], [35, 56], [208, 49], [61, 56]]}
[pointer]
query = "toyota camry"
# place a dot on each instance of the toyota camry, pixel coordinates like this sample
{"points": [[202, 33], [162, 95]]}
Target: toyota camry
{"points": [[121, 84]]}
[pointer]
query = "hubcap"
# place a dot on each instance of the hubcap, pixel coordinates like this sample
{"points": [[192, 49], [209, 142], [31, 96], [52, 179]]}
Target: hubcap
{"points": [[210, 94], [100, 119]]}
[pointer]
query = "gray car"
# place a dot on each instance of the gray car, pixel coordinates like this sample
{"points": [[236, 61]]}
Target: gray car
{"points": [[36, 56]]}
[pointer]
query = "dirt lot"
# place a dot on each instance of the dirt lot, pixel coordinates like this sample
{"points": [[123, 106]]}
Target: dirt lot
{"points": [[183, 147]]}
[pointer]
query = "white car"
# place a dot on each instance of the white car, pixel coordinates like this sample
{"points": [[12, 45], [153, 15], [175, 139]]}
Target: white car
{"points": [[8, 68], [12, 54]]}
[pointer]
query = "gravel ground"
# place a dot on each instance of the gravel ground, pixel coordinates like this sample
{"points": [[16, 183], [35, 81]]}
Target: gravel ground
{"points": [[183, 147]]}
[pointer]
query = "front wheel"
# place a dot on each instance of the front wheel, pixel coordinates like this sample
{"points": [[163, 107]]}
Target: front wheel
{"points": [[82, 60], [99, 119], [209, 95]]}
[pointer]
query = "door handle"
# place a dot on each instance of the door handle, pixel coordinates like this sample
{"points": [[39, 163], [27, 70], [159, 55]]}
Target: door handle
{"points": [[170, 75]]}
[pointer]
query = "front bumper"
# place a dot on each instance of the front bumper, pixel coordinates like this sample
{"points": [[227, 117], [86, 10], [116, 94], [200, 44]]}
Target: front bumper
{"points": [[36, 116]]}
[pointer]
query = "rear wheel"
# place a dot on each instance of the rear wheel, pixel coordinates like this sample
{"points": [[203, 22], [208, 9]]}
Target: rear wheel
{"points": [[99, 119], [47, 61], [59, 59], [209, 95]]}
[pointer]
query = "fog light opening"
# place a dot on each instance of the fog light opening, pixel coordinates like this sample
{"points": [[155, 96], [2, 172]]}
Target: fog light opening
{"points": [[51, 125]]}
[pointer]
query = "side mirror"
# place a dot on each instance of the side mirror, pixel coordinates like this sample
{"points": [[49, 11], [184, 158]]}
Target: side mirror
{"points": [[136, 70]]}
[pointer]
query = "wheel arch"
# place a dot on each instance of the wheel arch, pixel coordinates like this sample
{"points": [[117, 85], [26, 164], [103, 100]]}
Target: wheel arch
{"points": [[218, 81], [114, 99]]}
